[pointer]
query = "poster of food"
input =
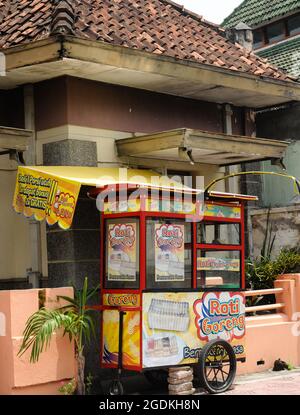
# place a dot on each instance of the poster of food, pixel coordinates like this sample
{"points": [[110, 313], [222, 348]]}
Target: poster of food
{"points": [[122, 252], [169, 252], [176, 326]]}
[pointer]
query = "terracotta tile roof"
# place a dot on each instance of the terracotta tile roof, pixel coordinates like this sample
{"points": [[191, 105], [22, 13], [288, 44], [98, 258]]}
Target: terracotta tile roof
{"points": [[155, 26], [256, 12]]}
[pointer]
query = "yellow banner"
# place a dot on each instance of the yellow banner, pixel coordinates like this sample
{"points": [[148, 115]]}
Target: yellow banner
{"points": [[43, 196]]}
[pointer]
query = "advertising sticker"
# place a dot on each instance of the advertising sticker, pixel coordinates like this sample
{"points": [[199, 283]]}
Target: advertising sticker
{"points": [[122, 252], [169, 252], [176, 326]]}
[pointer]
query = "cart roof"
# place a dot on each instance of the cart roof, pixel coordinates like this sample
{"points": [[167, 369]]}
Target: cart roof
{"points": [[51, 192]]}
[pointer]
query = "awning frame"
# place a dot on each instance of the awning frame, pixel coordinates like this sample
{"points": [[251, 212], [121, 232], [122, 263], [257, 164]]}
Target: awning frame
{"points": [[225, 149]]}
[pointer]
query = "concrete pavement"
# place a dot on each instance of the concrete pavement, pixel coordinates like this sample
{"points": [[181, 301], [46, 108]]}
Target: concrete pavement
{"points": [[267, 383]]}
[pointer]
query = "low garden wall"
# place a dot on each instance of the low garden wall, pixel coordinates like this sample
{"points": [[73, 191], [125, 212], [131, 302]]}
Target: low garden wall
{"points": [[277, 335], [55, 367], [268, 338]]}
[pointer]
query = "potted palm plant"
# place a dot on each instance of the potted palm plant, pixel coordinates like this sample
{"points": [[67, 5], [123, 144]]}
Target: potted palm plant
{"points": [[75, 320]]}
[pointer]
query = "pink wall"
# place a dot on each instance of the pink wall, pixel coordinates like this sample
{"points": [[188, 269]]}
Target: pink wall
{"points": [[270, 337], [55, 366]]}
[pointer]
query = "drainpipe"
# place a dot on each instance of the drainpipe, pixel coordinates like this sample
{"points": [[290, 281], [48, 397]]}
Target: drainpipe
{"points": [[34, 273]]}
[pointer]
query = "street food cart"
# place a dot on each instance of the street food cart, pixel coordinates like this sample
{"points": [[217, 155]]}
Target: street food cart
{"points": [[172, 278], [172, 269]]}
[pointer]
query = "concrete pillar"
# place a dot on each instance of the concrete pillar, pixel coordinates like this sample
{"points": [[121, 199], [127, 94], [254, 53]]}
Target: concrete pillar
{"points": [[34, 273], [287, 296], [75, 253]]}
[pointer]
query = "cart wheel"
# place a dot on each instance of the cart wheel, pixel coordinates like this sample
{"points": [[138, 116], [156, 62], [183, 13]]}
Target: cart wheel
{"points": [[157, 377], [116, 388], [217, 366]]}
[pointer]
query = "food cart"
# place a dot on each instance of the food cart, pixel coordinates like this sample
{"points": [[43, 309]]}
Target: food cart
{"points": [[172, 271], [172, 278]]}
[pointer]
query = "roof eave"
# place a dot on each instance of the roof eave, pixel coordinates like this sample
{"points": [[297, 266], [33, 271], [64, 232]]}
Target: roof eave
{"points": [[216, 81]]}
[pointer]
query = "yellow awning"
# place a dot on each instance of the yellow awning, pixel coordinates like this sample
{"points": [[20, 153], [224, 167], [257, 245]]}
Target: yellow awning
{"points": [[51, 192]]}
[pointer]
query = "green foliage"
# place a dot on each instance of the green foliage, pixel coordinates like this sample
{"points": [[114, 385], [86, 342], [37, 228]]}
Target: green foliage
{"points": [[68, 388], [89, 384], [261, 273], [269, 239], [74, 319]]}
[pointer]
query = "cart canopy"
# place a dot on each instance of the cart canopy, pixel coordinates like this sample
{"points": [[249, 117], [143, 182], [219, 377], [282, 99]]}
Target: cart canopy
{"points": [[51, 192]]}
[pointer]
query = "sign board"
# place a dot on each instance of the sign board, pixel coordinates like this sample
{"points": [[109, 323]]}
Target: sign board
{"points": [[169, 252], [43, 196], [121, 255], [176, 326]]}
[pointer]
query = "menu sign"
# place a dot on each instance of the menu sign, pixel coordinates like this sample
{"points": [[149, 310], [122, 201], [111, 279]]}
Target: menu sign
{"points": [[122, 252], [169, 253]]}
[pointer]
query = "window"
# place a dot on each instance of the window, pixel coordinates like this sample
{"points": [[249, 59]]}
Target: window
{"points": [[293, 24], [168, 253], [216, 233], [259, 39], [276, 32], [221, 269], [122, 253]]}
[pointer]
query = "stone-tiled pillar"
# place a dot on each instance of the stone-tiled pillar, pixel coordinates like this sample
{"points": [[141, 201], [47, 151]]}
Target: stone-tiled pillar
{"points": [[75, 253]]}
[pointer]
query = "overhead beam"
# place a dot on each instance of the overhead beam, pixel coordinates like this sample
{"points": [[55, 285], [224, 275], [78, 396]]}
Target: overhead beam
{"points": [[14, 138], [224, 146]]}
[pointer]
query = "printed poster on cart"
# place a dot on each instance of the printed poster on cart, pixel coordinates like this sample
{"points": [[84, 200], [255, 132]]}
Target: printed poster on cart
{"points": [[176, 326], [169, 252], [122, 252]]}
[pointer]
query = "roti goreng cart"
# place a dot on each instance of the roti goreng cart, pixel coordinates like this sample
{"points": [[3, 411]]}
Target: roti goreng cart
{"points": [[172, 268], [172, 278]]}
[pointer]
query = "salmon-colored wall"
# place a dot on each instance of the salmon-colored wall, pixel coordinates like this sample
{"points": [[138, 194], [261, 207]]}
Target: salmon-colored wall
{"points": [[75, 101], [271, 337], [55, 366]]}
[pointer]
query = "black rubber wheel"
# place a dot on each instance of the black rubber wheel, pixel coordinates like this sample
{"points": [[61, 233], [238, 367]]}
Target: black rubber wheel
{"points": [[157, 377], [217, 366], [116, 388]]}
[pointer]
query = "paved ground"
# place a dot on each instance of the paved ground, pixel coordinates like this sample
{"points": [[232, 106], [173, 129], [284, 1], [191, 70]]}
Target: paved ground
{"points": [[266, 383]]}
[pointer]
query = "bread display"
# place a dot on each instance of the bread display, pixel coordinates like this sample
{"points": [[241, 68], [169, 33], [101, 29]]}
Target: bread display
{"points": [[168, 315]]}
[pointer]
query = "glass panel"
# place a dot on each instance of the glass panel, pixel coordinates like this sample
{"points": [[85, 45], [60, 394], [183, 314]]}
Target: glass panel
{"points": [[294, 25], [218, 233], [122, 253], [276, 32], [168, 253], [219, 269], [258, 41]]}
